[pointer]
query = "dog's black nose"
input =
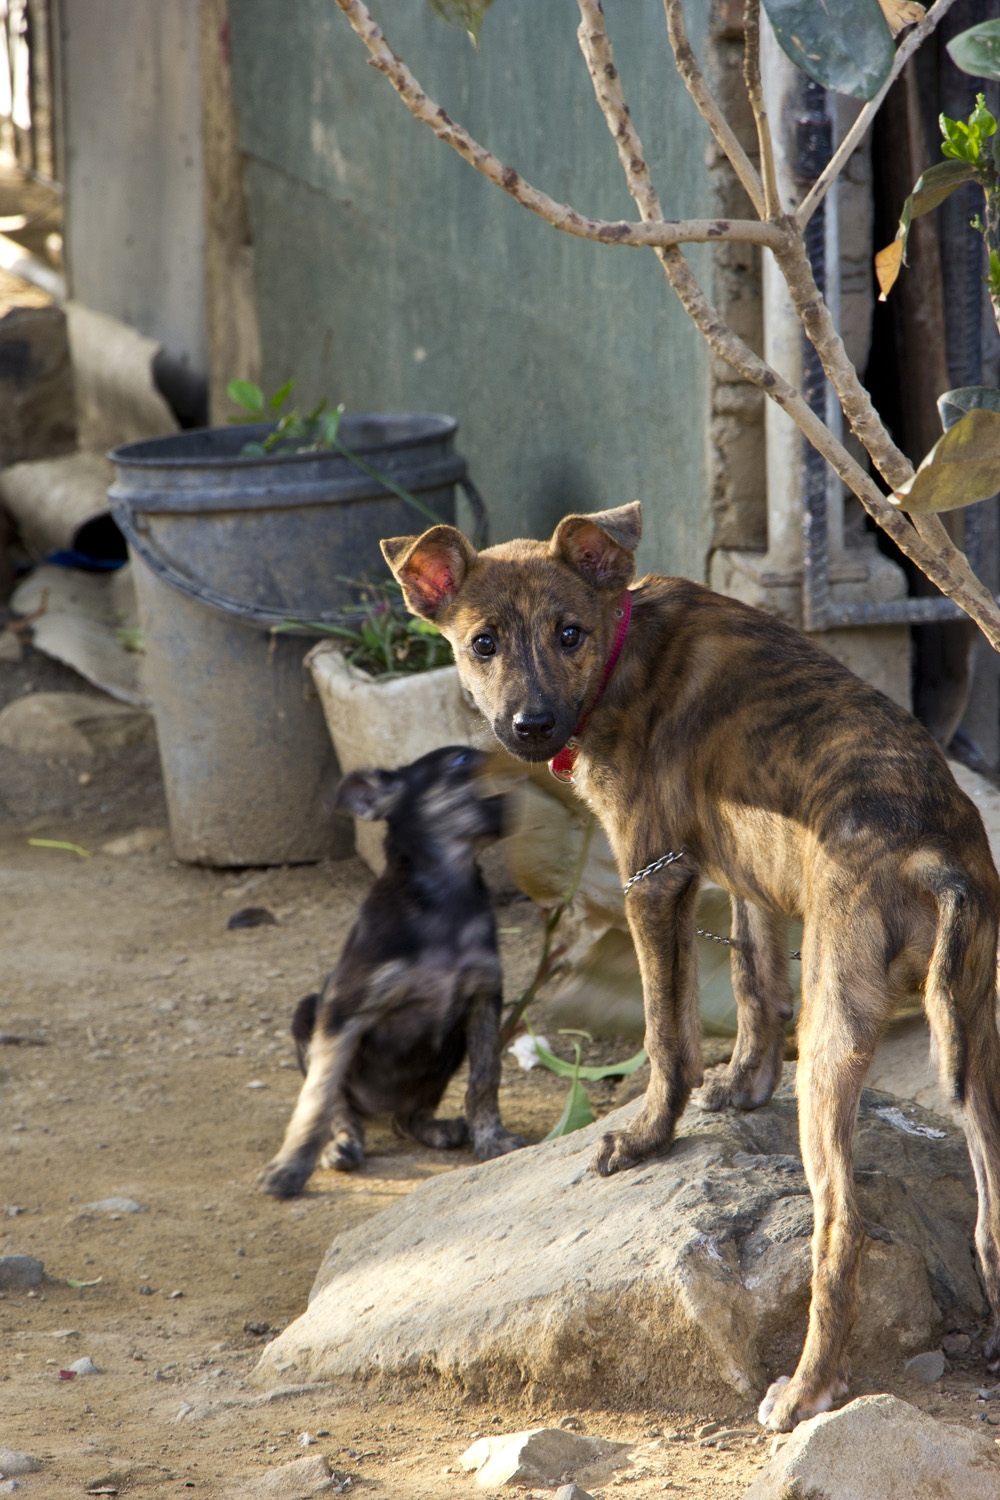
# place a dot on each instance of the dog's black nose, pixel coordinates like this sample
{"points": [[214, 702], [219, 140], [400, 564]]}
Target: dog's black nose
{"points": [[537, 727]]}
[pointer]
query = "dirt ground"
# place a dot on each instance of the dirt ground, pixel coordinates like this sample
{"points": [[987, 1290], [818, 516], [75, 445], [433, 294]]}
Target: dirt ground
{"points": [[147, 1057]]}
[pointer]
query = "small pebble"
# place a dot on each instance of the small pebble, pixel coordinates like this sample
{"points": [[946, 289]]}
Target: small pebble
{"points": [[956, 1343], [12, 1462], [251, 916], [926, 1367], [113, 1206], [18, 1271], [707, 1429], [571, 1492], [84, 1366]]}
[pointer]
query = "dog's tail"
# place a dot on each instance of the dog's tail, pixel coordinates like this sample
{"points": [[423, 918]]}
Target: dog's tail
{"points": [[303, 1024], [961, 985]]}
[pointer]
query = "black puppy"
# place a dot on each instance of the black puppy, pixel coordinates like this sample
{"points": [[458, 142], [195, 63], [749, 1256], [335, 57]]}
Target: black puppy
{"points": [[417, 986]]}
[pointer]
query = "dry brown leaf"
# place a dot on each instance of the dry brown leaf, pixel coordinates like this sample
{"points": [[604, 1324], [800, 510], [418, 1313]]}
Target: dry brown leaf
{"points": [[888, 263], [901, 13], [961, 469]]}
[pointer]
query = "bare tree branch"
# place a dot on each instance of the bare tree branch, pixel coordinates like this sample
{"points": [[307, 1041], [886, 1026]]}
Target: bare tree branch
{"points": [[559, 215], [935, 554], [751, 77], [868, 427], [687, 67], [852, 139], [596, 48]]}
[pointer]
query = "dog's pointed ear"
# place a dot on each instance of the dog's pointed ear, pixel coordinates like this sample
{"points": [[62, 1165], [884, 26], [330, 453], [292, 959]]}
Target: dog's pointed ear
{"points": [[600, 547], [430, 568], [369, 794]]}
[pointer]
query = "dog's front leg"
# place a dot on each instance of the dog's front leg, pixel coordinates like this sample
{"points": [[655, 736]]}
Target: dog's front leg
{"points": [[320, 1099], [661, 917], [763, 1006], [482, 1108]]}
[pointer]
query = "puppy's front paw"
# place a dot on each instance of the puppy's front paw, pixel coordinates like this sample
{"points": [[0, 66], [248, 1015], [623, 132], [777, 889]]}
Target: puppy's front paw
{"points": [[344, 1155], [284, 1179], [624, 1148], [497, 1142], [614, 1154]]}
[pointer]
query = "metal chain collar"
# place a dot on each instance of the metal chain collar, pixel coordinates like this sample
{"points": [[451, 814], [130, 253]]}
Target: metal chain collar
{"points": [[661, 864]]}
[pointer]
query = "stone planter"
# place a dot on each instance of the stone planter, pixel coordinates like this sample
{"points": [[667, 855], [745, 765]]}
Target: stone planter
{"points": [[390, 721]]}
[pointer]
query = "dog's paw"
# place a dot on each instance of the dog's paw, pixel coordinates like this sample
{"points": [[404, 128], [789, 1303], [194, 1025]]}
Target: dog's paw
{"points": [[614, 1154], [343, 1155], [284, 1179], [443, 1135], [497, 1143], [765, 1410], [716, 1092], [789, 1401], [991, 1351]]}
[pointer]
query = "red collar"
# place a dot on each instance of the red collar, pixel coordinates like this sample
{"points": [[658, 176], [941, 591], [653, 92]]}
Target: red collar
{"points": [[561, 765]]}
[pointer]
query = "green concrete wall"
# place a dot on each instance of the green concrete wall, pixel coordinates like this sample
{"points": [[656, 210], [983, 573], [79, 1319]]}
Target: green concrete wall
{"points": [[390, 275]]}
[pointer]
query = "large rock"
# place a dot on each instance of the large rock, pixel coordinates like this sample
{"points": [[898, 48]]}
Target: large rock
{"points": [[684, 1279], [72, 725], [880, 1448]]}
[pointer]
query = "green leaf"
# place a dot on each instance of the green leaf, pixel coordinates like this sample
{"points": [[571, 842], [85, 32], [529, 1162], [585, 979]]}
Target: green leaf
{"points": [[977, 51], [952, 405], [59, 844], [937, 183], [253, 450], [846, 46], [965, 139], [279, 398], [576, 1113], [932, 187], [466, 14], [73, 1282], [593, 1073], [246, 394], [962, 468]]}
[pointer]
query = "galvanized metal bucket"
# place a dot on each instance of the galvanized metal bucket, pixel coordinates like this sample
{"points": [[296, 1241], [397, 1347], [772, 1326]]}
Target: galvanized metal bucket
{"points": [[227, 547]]}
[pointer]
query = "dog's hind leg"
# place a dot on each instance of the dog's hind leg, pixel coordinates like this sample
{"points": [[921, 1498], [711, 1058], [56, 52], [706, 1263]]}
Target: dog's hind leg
{"points": [[764, 1005], [319, 1099], [442, 1135], [982, 1131], [960, 999], [661, 916], [346, 1148], [844, 1010]]}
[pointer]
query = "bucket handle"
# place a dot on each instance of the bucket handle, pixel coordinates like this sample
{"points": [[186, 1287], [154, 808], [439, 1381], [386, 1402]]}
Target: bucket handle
{"points": [[480, 520], [260, 615]]}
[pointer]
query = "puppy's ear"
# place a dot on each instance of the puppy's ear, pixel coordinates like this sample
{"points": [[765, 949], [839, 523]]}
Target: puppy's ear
{"points": [[431, 568], [599, 547], [369, 794]]}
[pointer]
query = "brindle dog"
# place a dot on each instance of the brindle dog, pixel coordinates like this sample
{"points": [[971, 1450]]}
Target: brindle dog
{"points": [[417, 986], [727, 739]]}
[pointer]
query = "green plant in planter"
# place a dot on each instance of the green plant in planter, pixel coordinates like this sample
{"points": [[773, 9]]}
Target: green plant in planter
{"points": [[316, 433], [385, 640]]}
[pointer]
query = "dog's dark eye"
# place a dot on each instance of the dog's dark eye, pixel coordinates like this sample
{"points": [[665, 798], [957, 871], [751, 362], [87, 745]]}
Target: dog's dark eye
{"points": [[484, 644], [570, 637]]}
